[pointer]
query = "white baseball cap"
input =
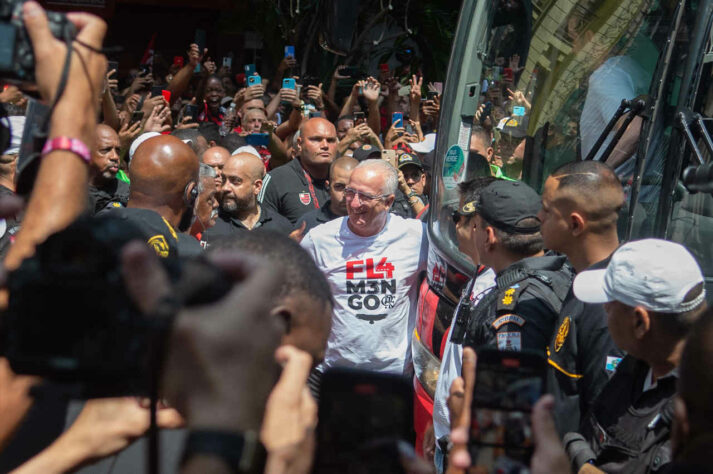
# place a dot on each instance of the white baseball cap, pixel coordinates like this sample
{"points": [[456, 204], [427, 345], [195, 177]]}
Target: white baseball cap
{"points": [[653, 273]]}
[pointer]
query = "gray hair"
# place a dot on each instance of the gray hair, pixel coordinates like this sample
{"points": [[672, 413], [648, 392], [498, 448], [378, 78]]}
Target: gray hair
{"points": [[294, 138], [391, 176], [204, 171]]}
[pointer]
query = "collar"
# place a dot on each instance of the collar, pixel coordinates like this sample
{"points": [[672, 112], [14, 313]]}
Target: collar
{"points": [[651, 385], [264, 217]]}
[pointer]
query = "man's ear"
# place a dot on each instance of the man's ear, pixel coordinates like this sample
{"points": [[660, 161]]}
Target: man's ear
{"points": [[212, 143], [577, 223], [298, 144], [681, 427], [641, 322], [257, 185], [284, 314], [491, 239], [389, 201]]}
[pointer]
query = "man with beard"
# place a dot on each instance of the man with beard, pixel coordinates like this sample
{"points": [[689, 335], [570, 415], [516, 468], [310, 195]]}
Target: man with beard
{"points": [[240, 211], [339, 174], [104, 188], [164, 177]]}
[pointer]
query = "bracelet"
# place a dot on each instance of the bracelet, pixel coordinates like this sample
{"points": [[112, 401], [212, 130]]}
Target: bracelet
{"points": [[242, 452], [73, 145]]}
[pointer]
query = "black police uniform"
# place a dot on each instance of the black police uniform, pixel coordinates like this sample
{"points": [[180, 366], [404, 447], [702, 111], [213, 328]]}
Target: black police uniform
{"points": [[291, 192], [521, 310], [582, 357], [227, 226], [116, 191], [316, 217], [160, 235], [629, 430]]}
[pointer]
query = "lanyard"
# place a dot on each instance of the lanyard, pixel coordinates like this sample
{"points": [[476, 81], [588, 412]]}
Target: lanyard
{"points": [[315, 201]]}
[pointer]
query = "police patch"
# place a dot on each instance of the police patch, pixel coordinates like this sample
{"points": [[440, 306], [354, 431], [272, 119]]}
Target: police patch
{"points": [[562, 334], [508, 318], [159, 245], [305, 198], [510, 341]]}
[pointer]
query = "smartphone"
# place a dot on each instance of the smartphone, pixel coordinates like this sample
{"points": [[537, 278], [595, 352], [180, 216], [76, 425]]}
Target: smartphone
{"points": [[201, 39], [431, 95], [391, 157], [166, 95], [359, 117], [137, 116], [112, 66], [258, 139], [228, 62], [289, 51], [156, 91], [289, 84], [363, 416], [518, 111], [486, 112], [191, 110], [254, 80], [397, 119], [250, 69], [507, 385], [351, 71]]}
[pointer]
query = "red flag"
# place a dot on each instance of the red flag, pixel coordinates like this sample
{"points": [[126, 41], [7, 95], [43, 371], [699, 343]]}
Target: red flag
{"points": [[147, 59]]}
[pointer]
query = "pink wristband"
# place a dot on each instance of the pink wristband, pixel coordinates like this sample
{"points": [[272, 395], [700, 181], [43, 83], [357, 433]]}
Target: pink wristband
{"points": [[73, 145]]}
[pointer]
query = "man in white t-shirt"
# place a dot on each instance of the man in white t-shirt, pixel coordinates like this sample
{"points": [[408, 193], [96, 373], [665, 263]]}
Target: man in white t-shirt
{"points": [[373, 261]]}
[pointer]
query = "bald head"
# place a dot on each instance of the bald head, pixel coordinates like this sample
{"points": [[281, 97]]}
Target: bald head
{"points": [[317, 145], [247, 164], [591, 188], [161, 169], [105, 156], [316, 123], [343, 164]]}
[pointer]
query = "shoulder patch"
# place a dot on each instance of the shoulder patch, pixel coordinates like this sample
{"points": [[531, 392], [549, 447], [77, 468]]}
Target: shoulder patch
{"points": [[562, 334], [506, 319], [510, 341], [159, 245], [507, 300]]}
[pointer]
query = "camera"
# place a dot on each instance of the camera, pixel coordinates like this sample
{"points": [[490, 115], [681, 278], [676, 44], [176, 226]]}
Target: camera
{"points": [[71, 321], [17, 58]]}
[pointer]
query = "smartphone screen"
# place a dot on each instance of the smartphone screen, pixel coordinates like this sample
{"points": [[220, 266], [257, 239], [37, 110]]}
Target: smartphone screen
{"points": [[137, 116], [518, 110], [191, 111], [397, 119], [156, 91], [359, 117], [507, 385], [289, 51], [112, 66], [250, 69], [362, 415], [228, 62], [258, 139]]}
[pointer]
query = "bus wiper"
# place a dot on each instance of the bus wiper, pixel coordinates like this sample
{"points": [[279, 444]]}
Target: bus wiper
{"points": [[634, 107], [699, 177]]}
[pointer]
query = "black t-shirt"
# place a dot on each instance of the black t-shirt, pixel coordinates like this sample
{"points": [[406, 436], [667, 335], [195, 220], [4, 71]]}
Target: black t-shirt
{"points": [[116, 191], [289, 191], [584, 358], [188, 246], [160, 235], [227, 226], [316, 217]]}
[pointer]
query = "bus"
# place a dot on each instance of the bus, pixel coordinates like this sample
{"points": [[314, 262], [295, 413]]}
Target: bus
{"points": [[627, 83]]}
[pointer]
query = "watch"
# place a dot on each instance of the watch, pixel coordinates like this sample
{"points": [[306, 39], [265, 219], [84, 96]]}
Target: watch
{"points": [[242, 452]]}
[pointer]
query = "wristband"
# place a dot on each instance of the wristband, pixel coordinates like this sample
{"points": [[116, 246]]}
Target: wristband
{"points": [[242, 452], [73, 145]]}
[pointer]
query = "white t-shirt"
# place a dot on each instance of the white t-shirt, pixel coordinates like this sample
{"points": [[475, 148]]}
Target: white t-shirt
{"points": [[453, 360], [374, 281]]}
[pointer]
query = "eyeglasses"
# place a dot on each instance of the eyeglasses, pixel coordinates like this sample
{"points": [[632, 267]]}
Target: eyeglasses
{"points": [[365, 198]]}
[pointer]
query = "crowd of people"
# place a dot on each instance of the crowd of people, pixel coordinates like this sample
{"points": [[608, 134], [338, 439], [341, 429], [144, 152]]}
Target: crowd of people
{"points": [[310, 207]]}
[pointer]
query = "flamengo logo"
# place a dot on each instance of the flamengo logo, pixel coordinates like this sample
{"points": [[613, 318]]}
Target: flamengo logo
{"points": [[371, 286]]}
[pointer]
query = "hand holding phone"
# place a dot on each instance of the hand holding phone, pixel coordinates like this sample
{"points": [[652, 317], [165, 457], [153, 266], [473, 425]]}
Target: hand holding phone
{"points": [[397, 119], [254, 80]]}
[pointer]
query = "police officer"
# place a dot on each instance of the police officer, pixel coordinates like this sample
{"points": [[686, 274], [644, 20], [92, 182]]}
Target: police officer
{"points": [[653, 292], [580, 206], [521, 311], [300, 186]]}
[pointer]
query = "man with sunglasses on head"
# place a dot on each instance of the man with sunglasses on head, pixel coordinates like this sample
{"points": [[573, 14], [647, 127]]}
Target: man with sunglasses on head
{"points": [[373, 261]]}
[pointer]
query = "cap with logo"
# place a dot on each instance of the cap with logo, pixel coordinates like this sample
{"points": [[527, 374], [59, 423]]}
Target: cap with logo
{"points": [[653, 273], [406, 159], [504, 204], [365, 152]]}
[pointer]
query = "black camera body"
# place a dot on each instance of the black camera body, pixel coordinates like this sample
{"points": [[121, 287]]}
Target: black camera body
{"points": [[17, 58], [70, 320]]}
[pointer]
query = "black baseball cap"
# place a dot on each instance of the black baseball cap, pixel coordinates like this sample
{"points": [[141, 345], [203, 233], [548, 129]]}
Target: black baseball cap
{"points": [[409, 159], [505, 203], [365, 152]]}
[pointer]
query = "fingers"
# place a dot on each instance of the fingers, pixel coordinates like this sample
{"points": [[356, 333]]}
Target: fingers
{"points": [[91, 28], [37, 27], [146, 281], [296, 365]]}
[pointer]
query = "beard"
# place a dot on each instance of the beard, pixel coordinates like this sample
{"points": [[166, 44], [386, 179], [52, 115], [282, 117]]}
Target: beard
{"points": [[232, 205]]}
